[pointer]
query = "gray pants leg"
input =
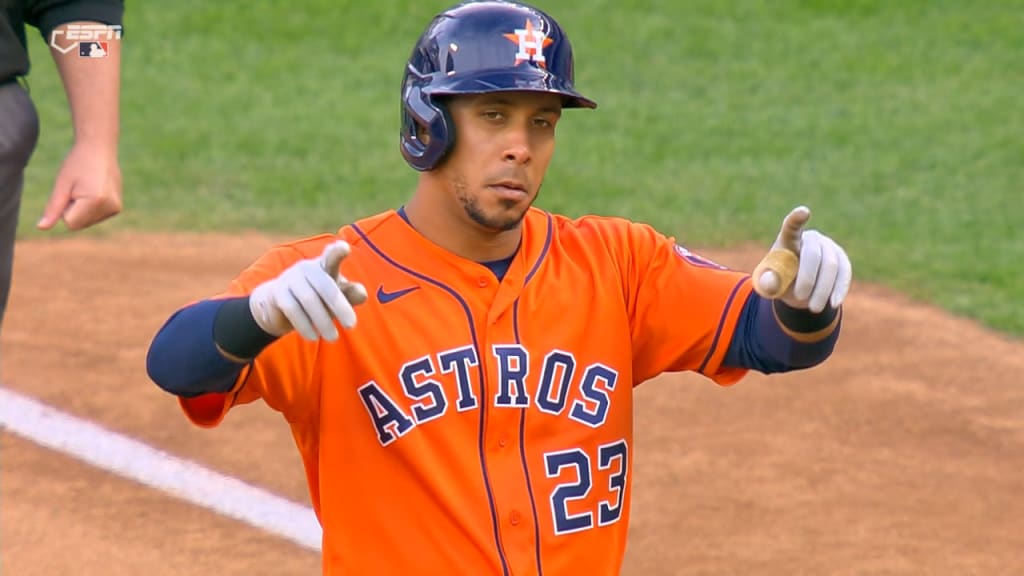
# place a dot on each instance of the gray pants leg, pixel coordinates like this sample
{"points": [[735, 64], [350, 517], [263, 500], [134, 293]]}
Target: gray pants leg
{"points": [[19, 132]]}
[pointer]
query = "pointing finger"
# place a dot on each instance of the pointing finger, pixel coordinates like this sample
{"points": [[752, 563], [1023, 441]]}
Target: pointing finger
{"points": [[332, 256], [792, 229]]}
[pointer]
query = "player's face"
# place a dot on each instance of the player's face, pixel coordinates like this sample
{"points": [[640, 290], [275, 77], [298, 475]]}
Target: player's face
{"points": [[503, 145]]}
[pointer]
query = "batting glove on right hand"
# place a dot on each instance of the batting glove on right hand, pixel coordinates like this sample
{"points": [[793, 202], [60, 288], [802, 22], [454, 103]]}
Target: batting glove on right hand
{"points": [[308, 296]]}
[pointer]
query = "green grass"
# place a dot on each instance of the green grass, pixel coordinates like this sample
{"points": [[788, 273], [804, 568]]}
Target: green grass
{"points": [[898, 123]]}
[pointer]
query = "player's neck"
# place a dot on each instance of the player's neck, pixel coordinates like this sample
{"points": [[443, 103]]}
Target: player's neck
{"points": [[468, 241]]}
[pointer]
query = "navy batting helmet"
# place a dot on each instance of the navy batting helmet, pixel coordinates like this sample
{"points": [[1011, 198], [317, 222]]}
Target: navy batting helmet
{"points": [[474, 48]]}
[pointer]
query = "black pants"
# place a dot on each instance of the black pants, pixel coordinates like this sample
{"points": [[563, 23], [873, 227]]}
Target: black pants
{"points": [[19, 132]]}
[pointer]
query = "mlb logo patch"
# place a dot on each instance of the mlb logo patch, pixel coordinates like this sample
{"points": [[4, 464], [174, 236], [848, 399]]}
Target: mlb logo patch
{"points": [[94, 49]]}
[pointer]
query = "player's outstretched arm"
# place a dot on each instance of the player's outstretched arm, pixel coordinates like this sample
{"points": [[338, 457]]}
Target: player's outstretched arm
{"points": [[792, 319], [203, 347]]}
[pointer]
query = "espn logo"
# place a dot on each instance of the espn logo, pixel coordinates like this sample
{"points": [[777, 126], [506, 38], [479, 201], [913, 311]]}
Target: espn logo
{"points": [[92, 40]]}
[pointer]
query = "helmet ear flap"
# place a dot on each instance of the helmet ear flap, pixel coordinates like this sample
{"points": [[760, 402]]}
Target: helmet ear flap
{"points": [[419, 110]]}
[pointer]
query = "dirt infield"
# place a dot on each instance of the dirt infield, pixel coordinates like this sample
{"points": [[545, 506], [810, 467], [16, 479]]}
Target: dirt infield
{"points": [[903, 455]]}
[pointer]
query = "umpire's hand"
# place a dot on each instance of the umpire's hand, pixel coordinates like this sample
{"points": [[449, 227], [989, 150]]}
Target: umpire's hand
{"points": [[87, 190], [308, 296]]}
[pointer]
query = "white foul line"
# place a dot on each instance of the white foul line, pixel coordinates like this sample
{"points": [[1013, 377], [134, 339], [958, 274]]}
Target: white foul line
{"points": [[158, 469]]}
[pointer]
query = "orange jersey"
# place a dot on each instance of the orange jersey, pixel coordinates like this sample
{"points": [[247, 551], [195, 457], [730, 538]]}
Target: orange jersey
{"points": [[470, 426]]}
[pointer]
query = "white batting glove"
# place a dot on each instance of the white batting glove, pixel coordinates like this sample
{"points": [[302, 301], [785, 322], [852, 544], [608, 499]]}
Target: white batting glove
{"points": [[308, 296], [823, 272]]}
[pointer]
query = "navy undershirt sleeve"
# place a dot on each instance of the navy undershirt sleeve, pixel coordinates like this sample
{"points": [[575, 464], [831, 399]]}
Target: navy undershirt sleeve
{"points": [[183, 358], [760, 344]]}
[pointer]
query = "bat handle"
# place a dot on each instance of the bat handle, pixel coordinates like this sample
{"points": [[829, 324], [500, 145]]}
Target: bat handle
{"points": [[783, 264]]}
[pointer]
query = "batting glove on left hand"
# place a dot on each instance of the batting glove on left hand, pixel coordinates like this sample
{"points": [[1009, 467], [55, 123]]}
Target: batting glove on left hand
{"points": [[308, 296], [819, 269]]}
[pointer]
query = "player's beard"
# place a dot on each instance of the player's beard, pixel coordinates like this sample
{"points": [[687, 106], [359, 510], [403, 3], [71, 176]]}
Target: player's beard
{"points": [[508, 219]]}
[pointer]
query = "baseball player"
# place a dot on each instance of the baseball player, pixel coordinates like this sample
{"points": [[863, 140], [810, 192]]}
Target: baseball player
{"points": [[478, 419]]}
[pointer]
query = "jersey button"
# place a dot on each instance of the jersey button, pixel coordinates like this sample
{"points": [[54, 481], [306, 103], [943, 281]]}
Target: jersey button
{"points": [[503, 441], [514, 518], [482, 282]]}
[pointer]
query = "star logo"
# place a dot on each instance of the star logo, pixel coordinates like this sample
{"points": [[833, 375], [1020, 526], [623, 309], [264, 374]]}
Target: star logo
{"points": [[532, 43]]}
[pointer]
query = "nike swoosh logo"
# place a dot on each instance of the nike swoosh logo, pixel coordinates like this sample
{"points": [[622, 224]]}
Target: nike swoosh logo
{"points": [[385, 297]]}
